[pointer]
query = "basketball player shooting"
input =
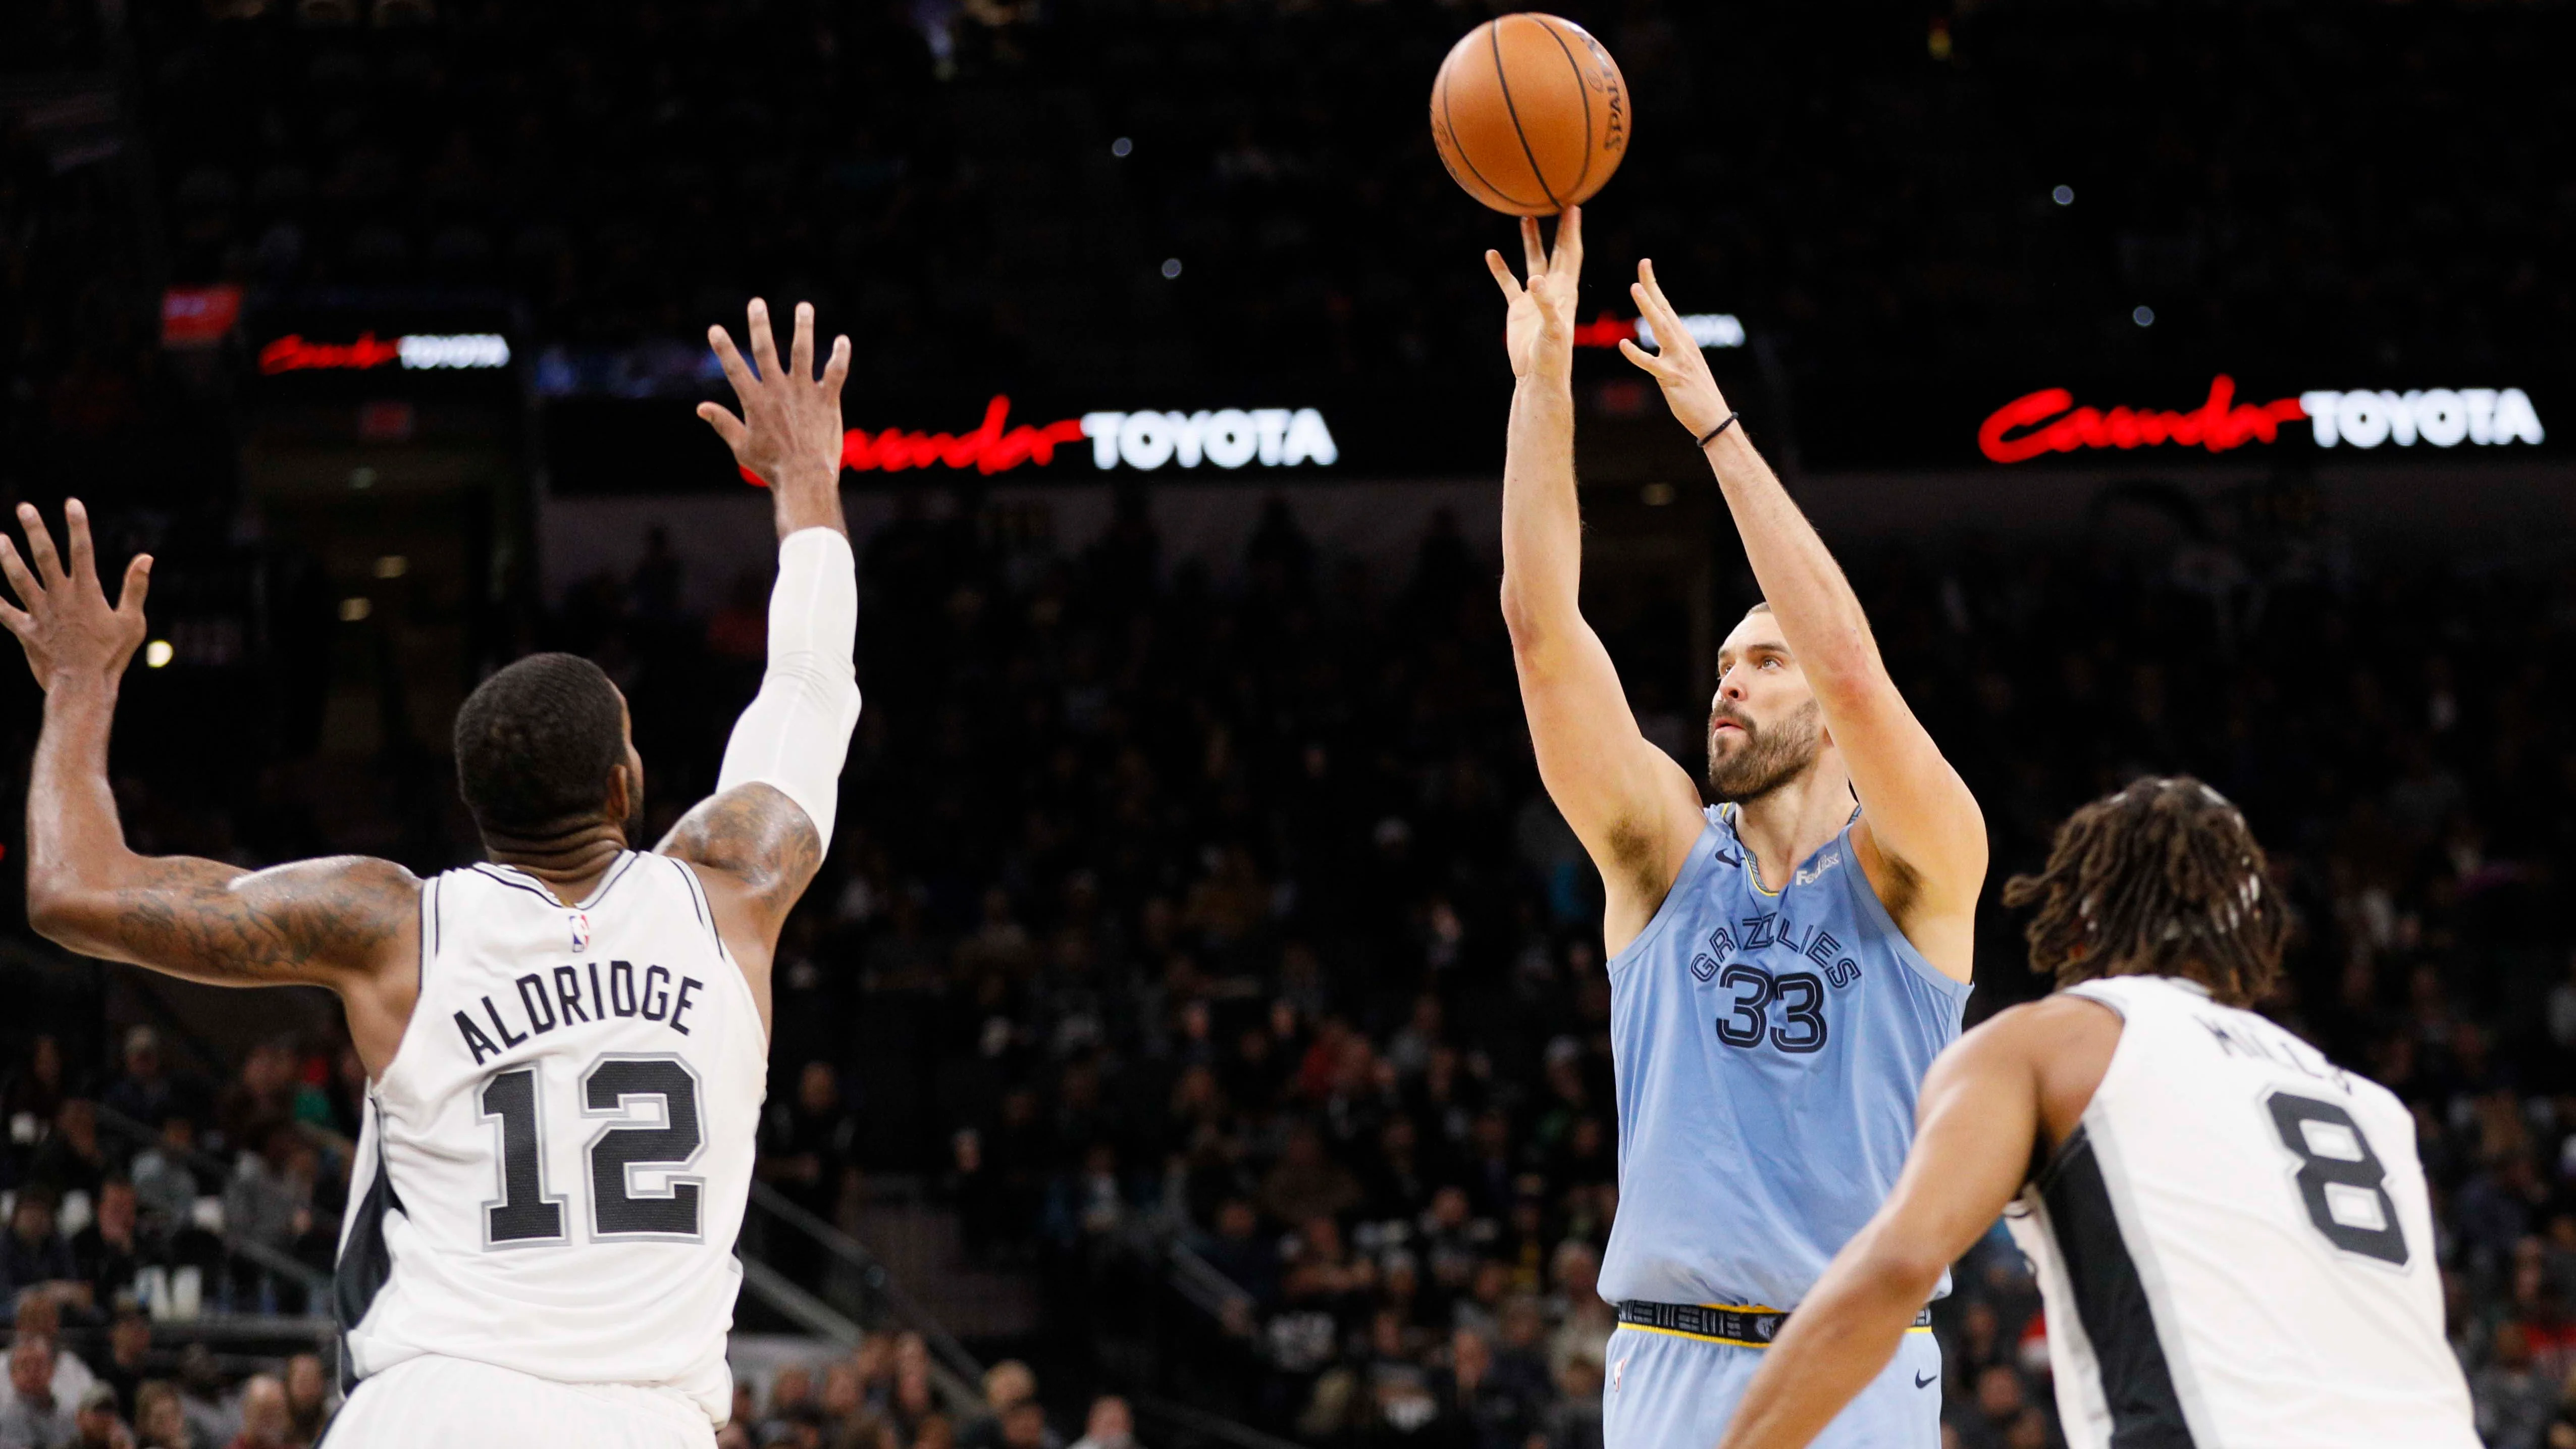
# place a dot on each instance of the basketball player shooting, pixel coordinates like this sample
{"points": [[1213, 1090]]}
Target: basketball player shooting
{"points": [[1785, 964], [2233, 1235], [566, 1043]]}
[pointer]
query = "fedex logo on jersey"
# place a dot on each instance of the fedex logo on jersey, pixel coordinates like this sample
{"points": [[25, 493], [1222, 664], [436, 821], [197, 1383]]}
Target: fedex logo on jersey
{"points": [[545, 1002]]}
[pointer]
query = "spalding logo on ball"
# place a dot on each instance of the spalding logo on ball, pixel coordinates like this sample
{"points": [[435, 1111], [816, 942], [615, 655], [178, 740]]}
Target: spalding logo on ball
{"points": [[1530, 114]]}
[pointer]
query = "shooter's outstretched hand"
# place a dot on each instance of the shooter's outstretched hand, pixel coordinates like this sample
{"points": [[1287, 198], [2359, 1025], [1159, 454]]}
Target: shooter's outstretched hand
{"points": [[1538, 332], [1676, 364]]}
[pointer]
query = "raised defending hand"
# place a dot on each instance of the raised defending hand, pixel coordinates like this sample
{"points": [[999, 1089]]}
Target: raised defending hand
{"points": [[1676, 364], [71, 632], [789, 433], [1538, 331]]}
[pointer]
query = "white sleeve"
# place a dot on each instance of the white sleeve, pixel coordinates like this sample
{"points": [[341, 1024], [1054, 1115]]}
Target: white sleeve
{"points": [[797, 731]]}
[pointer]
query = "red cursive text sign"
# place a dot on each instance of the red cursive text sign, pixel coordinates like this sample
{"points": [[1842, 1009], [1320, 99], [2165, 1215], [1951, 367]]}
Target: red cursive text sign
{"points": [[990, 449], [291, 353], [2048, 421]]}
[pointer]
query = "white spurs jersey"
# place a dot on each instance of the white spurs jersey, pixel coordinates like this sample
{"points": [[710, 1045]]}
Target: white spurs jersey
{"points": [[554, 1166], [2235, 1245]]}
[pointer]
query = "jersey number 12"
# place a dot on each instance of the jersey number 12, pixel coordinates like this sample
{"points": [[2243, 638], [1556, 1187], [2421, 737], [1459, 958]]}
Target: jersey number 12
{"points": [[2343, 1182], [527, 1214]]}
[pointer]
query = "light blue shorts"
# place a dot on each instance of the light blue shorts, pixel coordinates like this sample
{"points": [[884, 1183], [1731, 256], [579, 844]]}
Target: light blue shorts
{"points": [[1667, 1391]]}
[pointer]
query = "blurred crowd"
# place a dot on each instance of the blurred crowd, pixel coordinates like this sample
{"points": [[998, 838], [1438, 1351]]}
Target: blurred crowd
{"points": [[1212, 945], [1203, 939], [882, 1396]]}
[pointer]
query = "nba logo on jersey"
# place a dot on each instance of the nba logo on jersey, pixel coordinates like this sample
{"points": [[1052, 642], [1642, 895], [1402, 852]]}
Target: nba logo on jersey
{"points": [[580, 930]]}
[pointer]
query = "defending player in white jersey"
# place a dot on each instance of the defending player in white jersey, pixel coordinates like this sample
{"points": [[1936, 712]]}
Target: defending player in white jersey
{"points": [[2232, 1234], [565, 1044]]}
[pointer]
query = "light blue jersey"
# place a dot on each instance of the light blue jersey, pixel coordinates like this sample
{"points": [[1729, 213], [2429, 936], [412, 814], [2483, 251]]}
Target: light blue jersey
{"points": [[1768, 1046]]}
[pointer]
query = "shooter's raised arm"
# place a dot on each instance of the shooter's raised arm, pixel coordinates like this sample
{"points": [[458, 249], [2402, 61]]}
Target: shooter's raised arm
{"points": [[1635, 810], [1923, 839], [761, 836]]}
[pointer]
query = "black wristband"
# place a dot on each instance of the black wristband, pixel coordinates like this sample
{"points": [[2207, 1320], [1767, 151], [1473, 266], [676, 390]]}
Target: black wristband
{"points": [[1711, 435]]}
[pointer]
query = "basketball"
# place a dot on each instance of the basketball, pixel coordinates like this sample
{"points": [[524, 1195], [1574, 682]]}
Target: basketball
{"points": [[1530, 114]]}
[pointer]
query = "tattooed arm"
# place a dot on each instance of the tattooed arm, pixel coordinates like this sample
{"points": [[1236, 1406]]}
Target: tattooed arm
{"points": [[346, 923], [755, 851]]}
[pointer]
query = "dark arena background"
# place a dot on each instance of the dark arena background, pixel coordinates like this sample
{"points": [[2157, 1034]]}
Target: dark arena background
{"points": [[1199, 1028]]}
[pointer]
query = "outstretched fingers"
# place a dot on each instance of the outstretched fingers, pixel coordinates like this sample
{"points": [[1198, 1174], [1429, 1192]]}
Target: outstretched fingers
{"points": [[837, 369], [14, 568], [1568, 257], [800, 352], [1533, 251], [138, 582], [1503, 277], [84, 562], [40, 545], [1650, 362], [1651, 301], [727, 426], [764, 343], [729, 357]]}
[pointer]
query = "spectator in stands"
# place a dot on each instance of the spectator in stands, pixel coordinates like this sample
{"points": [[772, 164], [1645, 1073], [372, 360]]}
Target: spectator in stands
{"points": [[1024, 1426], [129, 1358], [308, 1399], [1109, 1425], [144, 1090], [71, 1159], [35, 1092], [109, 1251], [260, 1098], [34, 1416], [1478, 1410], [42, 1314], [1007, 1385], [2514, 1400], [265, 1423], [270, 1202], [159, 1421], [96, 1424], [213, 1415], [791, 1394], [34, 1257], [807, 1152], [165, 1183]]}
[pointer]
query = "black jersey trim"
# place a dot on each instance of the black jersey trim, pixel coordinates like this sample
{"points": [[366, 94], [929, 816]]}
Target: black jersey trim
{"points": [[616, 873], [2111, 1301], [699, 903], [365, 1263], [519, 880], [507, 877]]}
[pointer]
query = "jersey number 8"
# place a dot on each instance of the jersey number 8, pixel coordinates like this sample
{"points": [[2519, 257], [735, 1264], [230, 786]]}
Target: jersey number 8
{"points": [[2343, 1182], [527, 1214]]}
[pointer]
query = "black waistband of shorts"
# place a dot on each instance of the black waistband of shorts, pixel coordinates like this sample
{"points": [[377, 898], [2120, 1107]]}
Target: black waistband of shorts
{"points": [[1745, 1325]]}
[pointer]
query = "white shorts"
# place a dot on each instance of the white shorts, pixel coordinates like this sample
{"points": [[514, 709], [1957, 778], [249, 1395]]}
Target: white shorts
{"points": [[439, 1403]]}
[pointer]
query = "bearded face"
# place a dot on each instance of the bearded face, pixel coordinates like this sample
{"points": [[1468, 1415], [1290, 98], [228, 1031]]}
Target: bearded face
{"points": [[1752, 760]]}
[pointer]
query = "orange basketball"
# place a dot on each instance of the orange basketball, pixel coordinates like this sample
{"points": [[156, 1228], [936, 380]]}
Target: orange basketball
{"points": [[1530, 114]]}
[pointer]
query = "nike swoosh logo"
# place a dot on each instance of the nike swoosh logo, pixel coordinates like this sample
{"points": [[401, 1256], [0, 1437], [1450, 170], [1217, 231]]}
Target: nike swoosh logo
{"points": [[1924, 1381]]}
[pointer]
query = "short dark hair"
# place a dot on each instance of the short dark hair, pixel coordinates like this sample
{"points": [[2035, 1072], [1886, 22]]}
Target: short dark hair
{"points": [[2162, 879], [535, 743]]}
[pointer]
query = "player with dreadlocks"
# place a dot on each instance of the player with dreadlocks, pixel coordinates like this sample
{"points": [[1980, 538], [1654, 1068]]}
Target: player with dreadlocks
{"points": [[2231, 1233]]}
